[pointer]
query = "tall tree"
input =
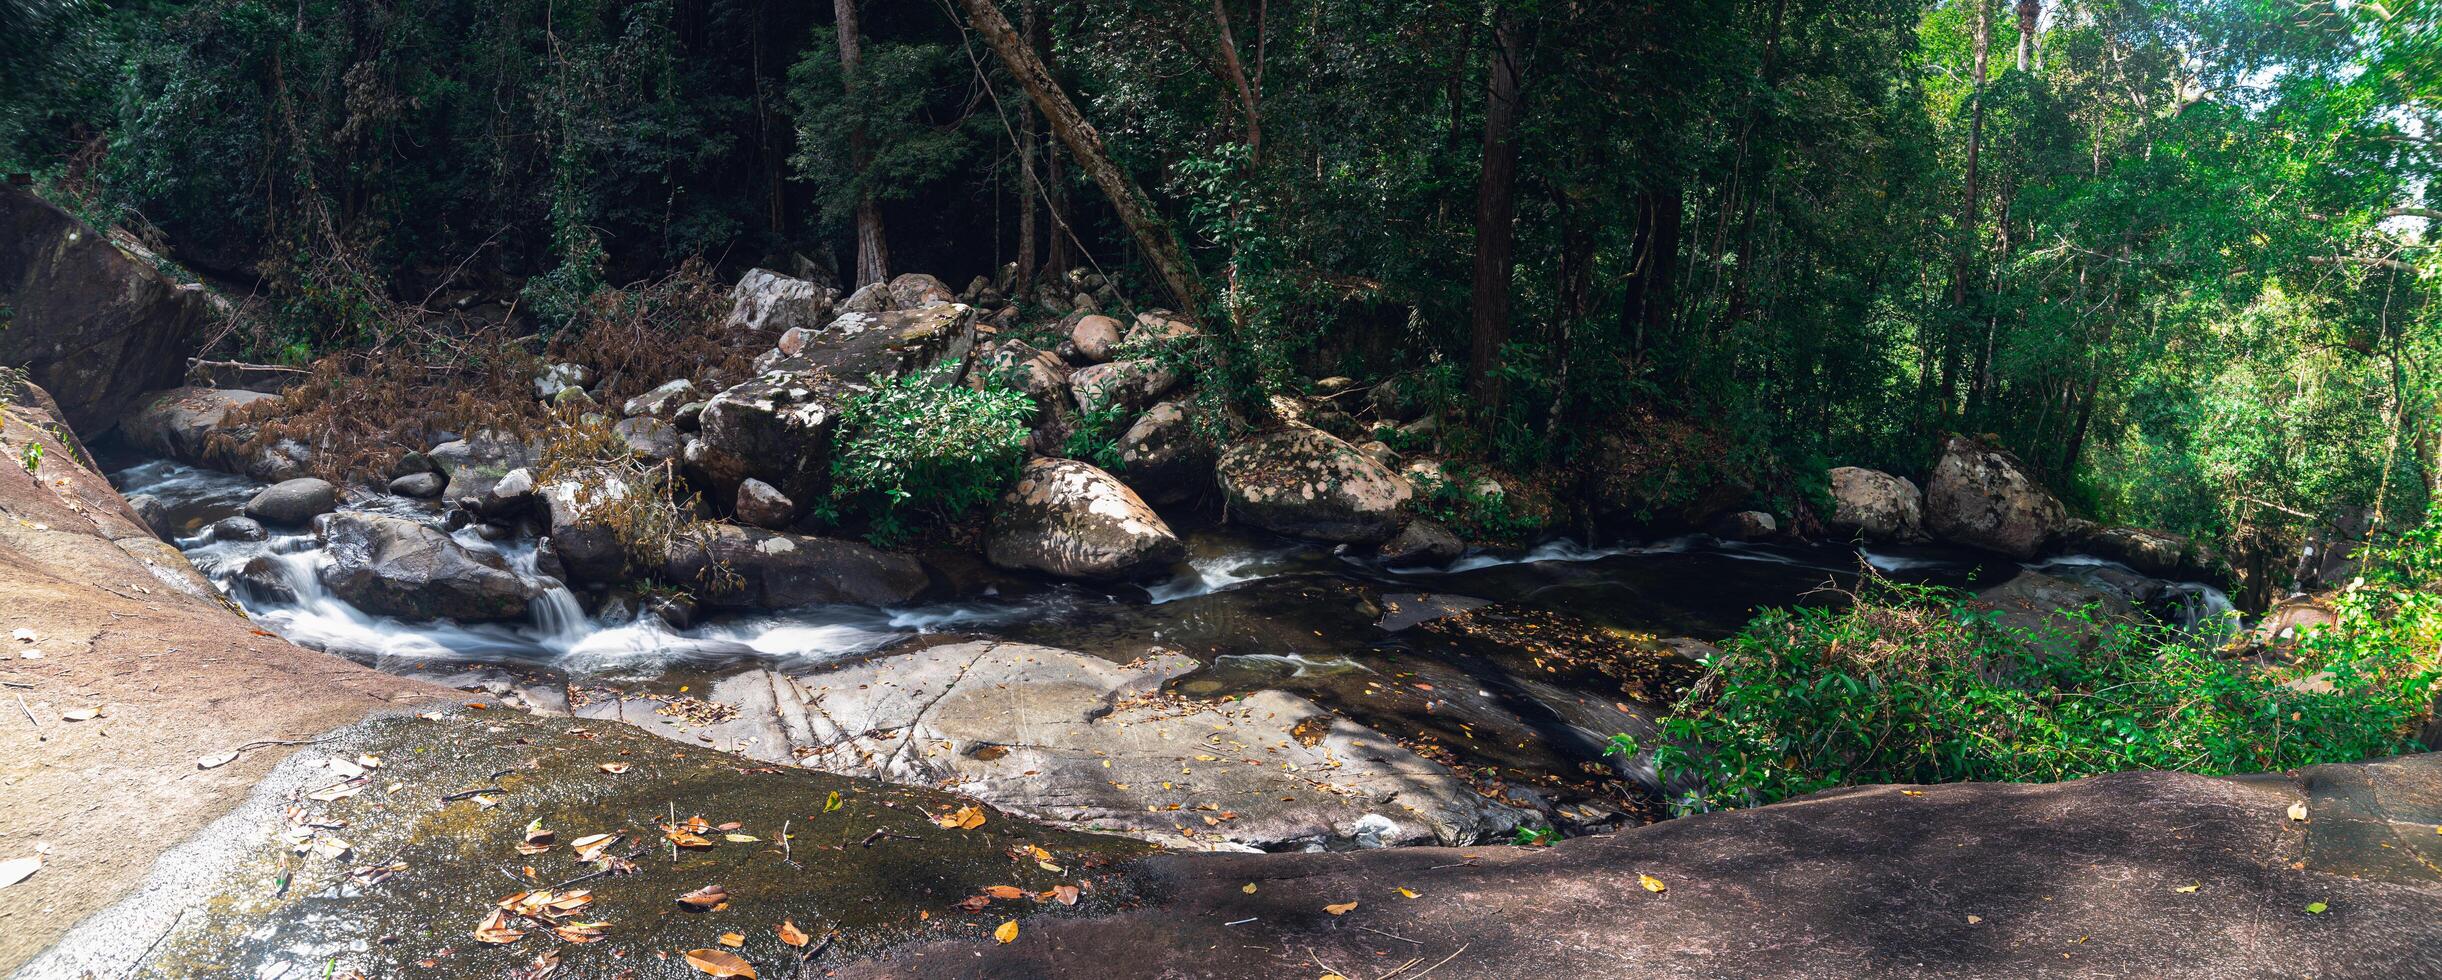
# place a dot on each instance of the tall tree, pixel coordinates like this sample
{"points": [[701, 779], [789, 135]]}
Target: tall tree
{"points": [[1496, 205], [872, 248]]}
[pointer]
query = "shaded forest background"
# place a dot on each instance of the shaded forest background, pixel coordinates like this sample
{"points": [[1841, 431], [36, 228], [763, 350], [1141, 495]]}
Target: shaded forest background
{"points": [[2175, 253]]}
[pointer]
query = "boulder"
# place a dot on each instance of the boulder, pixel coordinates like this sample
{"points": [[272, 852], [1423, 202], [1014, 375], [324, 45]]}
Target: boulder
{"points": [[872, 297], [1982, 497], [916, 290], [857, 346], [1302, 481], [761, 505], [474, 463], [1080, 740], [509, 498], [1072, 520], [661, 402], [649, 437], [1128, 385], [1094, 336], [578, 512], [391, 566], [1872, 505], [181, 423], [2156, 553], [1156, 328], [560, 378], [418, 485], [1163, 457], [1422, 542], [731, 567], [766, 303], [294, 502], [1018, 366], [776, 428], [239, 529], [89, 322], [1746, 525], [155, 515], [2039, 603]]}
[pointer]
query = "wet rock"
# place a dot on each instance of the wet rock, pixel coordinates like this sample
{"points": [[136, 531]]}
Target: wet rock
{"points": [[916, 290], [294, 502], [1422, 542], [760, 505], [183, 423], [578, 513], [766, 303], [661, 402], [1872, 505], [239, 529], [1080, 740], [475, 463], [90, 322], [776, 428], [509, 498], [2152, 552], [265, 580], [1746, 525], [1982, 497], [1128, 385], [2328, 558], [1067, 518], [649, 437], [560, 378], [411, 463], [391, 566], [1162, 456], [731, 567], [1302, 481], [418, 485], [1094, 336], [154, 514]]}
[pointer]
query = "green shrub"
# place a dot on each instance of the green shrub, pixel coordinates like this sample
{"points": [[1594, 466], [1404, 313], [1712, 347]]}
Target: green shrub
{"points": [[1452, 499], [911, 445], [1909, 685]]}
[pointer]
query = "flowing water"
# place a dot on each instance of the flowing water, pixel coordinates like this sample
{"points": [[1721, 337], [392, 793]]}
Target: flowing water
{"points": [[1512, 689]]}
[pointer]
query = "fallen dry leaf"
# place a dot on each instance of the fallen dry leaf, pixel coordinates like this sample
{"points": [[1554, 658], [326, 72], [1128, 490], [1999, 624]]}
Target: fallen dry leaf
{"points": [[580, 933], [1249, 888], [15, 870], [1652, 884], [215, 761], [720, 963], [496, 929], [1005, 892], [590, 848], [705, 897], [615, 768], [1064, 894], [740, 838], [1341, 909], [685, 839], [81, 714], [790, 934], [1406, 893], [966, 818], [2297, 811], [732, 940], [1007, 933]]}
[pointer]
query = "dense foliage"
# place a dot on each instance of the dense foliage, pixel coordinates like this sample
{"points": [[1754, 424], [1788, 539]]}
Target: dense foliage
{"points": [[2173, 252], [916, 446], [1917, 686]]}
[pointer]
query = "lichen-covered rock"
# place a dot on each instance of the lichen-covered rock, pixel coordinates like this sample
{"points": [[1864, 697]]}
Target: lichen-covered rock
{"points": [[1156, 328], [558, 379], [649, 437], [294, 502], [1016, 365], [1095, 335], [181, 423], [1163, 457], [392, 566], [1875, 506], [1130, 384], [731, 567], [661, 402], [1982, 497], [777, 427], [1302, 481], [917, 290], [1070, 519], [476, 462], [765, 303], [580, 512]]}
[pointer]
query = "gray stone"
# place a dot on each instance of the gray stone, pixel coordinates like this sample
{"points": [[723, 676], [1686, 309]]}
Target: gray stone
{"points": [[766, 303], [294, 502], [661, 402], [1163, 457], [192, 425], [1746, 525], [761, 505], [731, 567], [1302, 481], [88, 318], [509, 498], [238, 529], [1982, 497], [1422, 542], [1095, 336], [1128, 385], [916, 290], [474, 463], [1875, 506], [392, 566], [1069, 519], [418, 485], [559, 378], [649, 437], [154, 514]]}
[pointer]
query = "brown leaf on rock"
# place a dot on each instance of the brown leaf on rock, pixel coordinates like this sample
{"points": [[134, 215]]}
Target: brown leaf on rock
{"points": [[704, 898], [790, 934], [580, 933], [965, 818], [732, 940], [1342, 908], [496, 929], [1005, 892], [688, 839], [590, 848], [1063, 894], [720, 963]]}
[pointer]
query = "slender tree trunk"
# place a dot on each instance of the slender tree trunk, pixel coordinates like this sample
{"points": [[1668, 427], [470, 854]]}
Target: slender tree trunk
{"points": [[1160, 244], [1495, 213], [1060, 254], [1965, 249], [1031, 193], [2030, 15], [1250, 102], [872, 249]]}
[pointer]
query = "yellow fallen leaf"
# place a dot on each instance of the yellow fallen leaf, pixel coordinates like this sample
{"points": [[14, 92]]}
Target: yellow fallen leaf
{"points": [[965, 818], [1405, 893], [740, 838], [1007, 933], [732, 940], [720, 963], [1249, 889], [1973, 919], [1341, 909], [1652, 884], [2187, 889], [2297, 811]]}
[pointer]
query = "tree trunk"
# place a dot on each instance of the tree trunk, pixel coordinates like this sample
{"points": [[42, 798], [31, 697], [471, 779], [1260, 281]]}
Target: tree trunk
{"points": [[1495, 213], [1250, 102], [872, 249], [1160, 244], [1030, 193], [1963, 251], [2030, 16]]}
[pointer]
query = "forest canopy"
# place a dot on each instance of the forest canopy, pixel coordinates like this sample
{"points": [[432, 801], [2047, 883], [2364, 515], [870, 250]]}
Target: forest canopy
{"points": [[2174, 253]]}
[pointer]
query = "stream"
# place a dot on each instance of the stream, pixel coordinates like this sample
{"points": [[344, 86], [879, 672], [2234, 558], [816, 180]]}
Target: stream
{"points": [[1529, 682]]}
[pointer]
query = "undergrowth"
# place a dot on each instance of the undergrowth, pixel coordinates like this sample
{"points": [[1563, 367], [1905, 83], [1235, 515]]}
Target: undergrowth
{"points": [[912, 446], [1912, 685]]}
